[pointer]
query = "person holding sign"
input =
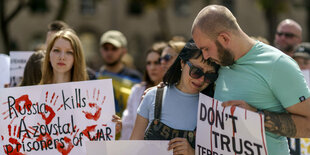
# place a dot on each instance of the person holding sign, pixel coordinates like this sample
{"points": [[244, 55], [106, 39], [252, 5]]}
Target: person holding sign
{"points": [[64, 60], [170, 113], [254, 76]]}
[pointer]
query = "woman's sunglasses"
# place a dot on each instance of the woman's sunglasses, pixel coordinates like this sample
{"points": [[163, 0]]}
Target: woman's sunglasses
{"points": [[196, 73], [166, 57]]}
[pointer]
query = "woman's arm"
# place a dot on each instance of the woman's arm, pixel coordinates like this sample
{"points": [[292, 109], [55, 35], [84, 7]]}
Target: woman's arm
{"points": [[139, 128]]}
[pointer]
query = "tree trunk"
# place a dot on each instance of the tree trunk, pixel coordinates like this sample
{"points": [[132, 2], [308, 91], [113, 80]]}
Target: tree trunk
{"points": [[272, 19], [4, 28], [62, 10], [307, 5], [163, 23], [5, 21]]}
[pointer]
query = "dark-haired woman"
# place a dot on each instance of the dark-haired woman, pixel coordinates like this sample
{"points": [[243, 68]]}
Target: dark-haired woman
{"points": [[152, 76], [170, 113]]}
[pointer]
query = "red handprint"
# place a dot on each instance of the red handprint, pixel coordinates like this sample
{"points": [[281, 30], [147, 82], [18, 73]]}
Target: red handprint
{"points": [[63, 147], [9, 149], [94, 104], [65, 150], [15, 108], [49, 109], [97, 135], [89, 129]]}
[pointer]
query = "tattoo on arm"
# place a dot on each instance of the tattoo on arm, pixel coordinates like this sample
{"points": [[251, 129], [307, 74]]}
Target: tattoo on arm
{"points": [[280, 124]]}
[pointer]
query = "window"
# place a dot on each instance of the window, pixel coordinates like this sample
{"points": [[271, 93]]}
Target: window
{"points": [[182, 7], [87, 7]]}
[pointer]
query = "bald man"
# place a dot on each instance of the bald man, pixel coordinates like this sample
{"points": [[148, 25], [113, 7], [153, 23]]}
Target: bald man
{"points": [[254, 76], [288, 36]]}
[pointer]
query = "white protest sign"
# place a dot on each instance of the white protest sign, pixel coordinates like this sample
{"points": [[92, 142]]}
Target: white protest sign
{"points": [[230, 130], [57, 118], [18, 63], [4, 70], [128, 147]]}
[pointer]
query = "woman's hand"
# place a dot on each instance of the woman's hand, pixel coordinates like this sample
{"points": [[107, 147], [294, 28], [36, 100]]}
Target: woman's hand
{"points": [[118, 126], [181, 146]]}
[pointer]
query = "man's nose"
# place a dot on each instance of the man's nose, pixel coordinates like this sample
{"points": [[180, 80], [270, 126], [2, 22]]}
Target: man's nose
{"points": [[205, 54]]}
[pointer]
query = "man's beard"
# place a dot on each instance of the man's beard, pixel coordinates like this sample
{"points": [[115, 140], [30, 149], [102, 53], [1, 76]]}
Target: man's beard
{"points": [[286, 49], [111, 64], [225, 56]]}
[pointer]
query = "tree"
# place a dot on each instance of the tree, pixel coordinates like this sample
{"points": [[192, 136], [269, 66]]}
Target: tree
{"points": [[137, 7], [6, 19], [306, 5], [272, 9], [36, 6]]}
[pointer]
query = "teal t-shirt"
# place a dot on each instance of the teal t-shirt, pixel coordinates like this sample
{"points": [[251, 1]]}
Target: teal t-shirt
{"points": [[266, 79]]}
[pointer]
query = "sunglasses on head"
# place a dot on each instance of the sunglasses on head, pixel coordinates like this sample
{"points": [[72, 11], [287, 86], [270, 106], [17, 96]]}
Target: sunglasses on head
{"points": [[196, 73], [286, 34], [166, 57]]}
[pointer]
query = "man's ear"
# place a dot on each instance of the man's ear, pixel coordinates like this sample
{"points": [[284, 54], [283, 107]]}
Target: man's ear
{"points": [[224, 38]]}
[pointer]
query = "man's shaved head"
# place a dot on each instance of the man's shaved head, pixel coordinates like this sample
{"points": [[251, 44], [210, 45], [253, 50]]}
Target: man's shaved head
{"points": [[214, 19]]}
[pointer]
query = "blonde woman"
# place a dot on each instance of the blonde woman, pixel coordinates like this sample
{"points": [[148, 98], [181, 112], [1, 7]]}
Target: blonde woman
{"points": [[170, 53], [64, 60]]}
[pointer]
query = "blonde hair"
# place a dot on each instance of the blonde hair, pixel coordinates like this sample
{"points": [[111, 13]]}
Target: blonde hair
{"points": [[177, 46], [78, 70]]}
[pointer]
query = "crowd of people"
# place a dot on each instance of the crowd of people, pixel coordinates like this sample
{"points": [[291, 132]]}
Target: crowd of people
{"points": [[220, 61]]}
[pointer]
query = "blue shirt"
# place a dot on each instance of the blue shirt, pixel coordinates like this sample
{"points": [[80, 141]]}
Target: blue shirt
{"points": [[179, 109]]}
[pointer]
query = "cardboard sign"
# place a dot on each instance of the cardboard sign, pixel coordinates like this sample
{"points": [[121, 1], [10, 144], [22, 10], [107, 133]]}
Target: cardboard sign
{"points": [[57, 118], [18, 63], [230, 130], [128, 147], [4, 70]]}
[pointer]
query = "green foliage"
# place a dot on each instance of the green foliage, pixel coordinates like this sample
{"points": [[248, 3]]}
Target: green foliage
{"points": [[275, 5]]}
